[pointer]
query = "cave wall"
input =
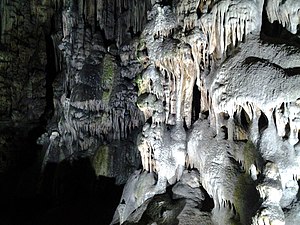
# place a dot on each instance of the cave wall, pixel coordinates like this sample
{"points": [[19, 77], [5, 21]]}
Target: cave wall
{"points": [[240, 68], [189, 102], [66, 97]]}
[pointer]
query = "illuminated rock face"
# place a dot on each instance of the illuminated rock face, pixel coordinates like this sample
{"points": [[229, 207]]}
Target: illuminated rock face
{"points": [[202, 94], [221, 100]]}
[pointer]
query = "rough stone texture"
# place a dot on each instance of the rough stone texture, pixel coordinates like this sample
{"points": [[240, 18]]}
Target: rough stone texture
{"points": [[220, 100], [24, 79], [94, 94], [23, 60], [203, 94]]}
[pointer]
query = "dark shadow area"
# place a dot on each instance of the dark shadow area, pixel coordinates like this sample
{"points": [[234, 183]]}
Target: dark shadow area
{"points": [[292, 71], [242, 119], [65, 193], [196, 103], [166, 3], [51, 72], [287, 131], [245, 120], [207, 203], [275, 33], [298, 194], [224, 131], [106, 41], [20, 170], [247, 199], [78, 196], [262, 122], [205, 114]]}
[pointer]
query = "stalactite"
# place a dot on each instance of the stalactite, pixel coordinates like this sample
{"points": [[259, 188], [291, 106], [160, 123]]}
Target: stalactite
{"points": [[286, 15], [230, 22], [183, 46], [271, 193]]}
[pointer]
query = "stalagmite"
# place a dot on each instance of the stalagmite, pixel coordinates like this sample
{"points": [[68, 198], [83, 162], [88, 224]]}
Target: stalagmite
{"points": [[171, 88]]}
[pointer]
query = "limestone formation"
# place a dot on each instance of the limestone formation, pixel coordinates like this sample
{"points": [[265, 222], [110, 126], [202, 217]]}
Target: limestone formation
{"points": [[194, 105], [248, 91]]}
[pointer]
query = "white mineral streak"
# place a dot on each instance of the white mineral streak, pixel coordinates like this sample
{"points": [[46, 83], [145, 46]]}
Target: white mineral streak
{"points": [[159, 147], [230, 22], [144, 186], [210, 161], [286, 12], [187, 14], [163, 152], [54, 140], [68, 21], [270, 191]]}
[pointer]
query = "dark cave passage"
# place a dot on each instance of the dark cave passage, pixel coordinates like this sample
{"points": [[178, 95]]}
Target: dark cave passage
{"points": [[20, 175], [78, 196], [65, 193]]}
